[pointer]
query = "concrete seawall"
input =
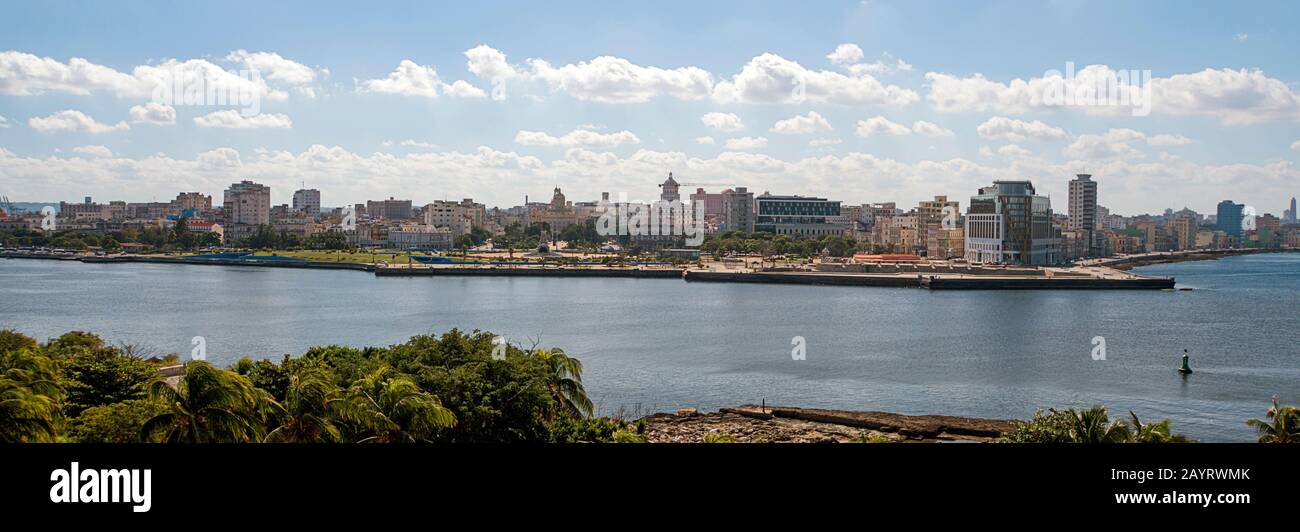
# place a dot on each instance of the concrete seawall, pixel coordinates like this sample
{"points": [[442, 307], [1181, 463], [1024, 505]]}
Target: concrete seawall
{"points": [[802, 278], [528, 272], [1047, 283]]}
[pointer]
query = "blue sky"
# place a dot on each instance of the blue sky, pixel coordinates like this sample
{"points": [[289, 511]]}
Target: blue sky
{"points": [[1224, 120]]}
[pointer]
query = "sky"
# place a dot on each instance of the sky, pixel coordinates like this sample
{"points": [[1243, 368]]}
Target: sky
{"points": [[858, 101]]}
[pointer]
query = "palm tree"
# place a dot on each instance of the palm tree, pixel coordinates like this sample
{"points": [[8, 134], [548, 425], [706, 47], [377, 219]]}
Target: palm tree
{"points": [[312, 405], [391, 408], [1094, 426], [564, 380], [1152, 432], [30, 398], [209, 405], [1283, 425]]}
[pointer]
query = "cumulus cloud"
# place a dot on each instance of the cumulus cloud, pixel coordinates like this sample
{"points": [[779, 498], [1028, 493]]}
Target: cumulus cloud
{"points": [[1119, 144], [231, 119], [801, 124], [24, 74], [413, 79], [73, 121], [846, 54], [930, 129], [1296, 145], [489, 63], [704, 140], [616, 80], [879, 125], [579, 137], [724, 122], [1233, 96], [1013, 150], [746, 143], [1012, 130], [94, 151], [770, 78], [153, 113], [275, 67]]}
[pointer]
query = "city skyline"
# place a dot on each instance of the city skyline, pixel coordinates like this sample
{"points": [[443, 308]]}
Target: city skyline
{"points": [[499, 111]]}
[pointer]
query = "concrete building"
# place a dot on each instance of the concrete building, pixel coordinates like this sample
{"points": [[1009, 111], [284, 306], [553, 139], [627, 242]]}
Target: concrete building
{"points": [[191, 204], [247, 203], [559, 214], [714, 204], [1184, 231], [1290, 213], [389, 209], [1083, 210], [307, 201], [738, 208], [798, 215], [669, 190], [1009, 223], [419, 236], [1229, 217]]}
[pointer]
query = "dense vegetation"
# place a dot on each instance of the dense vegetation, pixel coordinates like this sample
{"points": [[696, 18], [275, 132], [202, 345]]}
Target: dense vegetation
{"points": [[456, 387], [774, 244], [430, 389]]}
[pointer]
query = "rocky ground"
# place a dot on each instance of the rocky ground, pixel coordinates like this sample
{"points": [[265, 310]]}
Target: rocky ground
{"points": [[755, 424]]}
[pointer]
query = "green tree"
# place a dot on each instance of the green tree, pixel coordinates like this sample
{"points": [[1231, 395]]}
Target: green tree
{"points": [[564, 380], [30, 397], [1158, 432], [104, 376], [393, 409], [208, 405], [312, 406], [11, 340], [1282, 426], [115, 423]]}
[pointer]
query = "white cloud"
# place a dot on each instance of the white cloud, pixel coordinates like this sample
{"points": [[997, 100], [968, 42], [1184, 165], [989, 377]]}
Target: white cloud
{"points": [[71, 120], [275, 67], [4, 122], [801, 124], [880, 125], [413, 79], [770, 78], [846, 54], [1240, 37], [820, 142], [1013, 151], [489, 63], [24, 74], [609, 79], [1010, 129], [1119, 144], [704, 140], [881, 66], [411, 143], [94, 151], [153, 113], [746, 143], [1233, 96], [929, 129], [724, 122], [1295, 145], [579, 137], [231, 119]]}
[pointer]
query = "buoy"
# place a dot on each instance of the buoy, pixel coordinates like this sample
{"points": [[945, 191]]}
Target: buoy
{"points": [[1186, 368]]}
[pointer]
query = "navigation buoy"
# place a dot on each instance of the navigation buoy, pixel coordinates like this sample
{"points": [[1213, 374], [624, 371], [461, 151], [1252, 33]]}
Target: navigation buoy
{"points": [[1186, 368]]}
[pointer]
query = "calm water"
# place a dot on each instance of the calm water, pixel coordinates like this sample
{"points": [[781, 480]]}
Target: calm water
{"points": [[663, 344]]}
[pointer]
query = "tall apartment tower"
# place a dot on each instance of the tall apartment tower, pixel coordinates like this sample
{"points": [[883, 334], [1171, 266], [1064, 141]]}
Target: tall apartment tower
{"points": [[307, 201], [1083, 209], [248, 203], [738, 210], [1291, 214]]}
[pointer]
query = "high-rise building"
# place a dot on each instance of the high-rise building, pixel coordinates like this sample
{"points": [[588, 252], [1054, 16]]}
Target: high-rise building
{"points": [[246, 206], [1009, 223], [389, 209], [1229, 217], [307, 201], [191, 203], [798, 215], [1083, 211], [738, 210], [713, 204], [1291, 214], [247, 203]]}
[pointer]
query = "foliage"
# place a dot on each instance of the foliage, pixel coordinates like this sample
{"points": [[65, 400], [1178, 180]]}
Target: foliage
{"points": [[208, 405], [11, 340], [1092, 425], [114, 423], [103, 376], [30, 397], [1282, 426], [393, 409], [584, 430], [770, 244]]}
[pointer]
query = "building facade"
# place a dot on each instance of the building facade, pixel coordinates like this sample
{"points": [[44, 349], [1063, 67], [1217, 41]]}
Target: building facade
{"points": [[798, 215], [1009, 223]]}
